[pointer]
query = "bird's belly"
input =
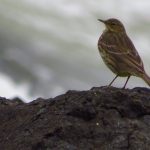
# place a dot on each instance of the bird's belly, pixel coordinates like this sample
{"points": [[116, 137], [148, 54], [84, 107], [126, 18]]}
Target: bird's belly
{"points": [[106, 58], [112, 63]]}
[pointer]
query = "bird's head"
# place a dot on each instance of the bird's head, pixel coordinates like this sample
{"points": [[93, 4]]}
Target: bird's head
{"points": [[113, 25]]}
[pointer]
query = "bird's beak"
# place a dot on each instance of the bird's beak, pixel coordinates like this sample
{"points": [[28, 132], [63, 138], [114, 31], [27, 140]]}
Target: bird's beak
{"points": [[103, 21]]}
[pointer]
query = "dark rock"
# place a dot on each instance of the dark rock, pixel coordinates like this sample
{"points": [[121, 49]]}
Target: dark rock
{"points": [[103, 118]]}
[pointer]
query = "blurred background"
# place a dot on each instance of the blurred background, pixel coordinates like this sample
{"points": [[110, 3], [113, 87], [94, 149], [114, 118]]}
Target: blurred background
{"points": [[48, 47]]}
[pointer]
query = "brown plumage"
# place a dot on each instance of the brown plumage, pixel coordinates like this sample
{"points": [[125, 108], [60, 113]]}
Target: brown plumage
{"points": [[119, 53]]}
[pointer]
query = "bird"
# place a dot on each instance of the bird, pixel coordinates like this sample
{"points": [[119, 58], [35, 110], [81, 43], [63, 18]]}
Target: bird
{"points": [[119, 53]]}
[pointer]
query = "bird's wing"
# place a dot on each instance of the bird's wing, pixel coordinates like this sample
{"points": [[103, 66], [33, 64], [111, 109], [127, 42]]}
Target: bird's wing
{"points": [[121, 45]]}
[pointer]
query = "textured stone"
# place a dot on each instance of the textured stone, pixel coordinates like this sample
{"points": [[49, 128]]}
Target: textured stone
{"points": [[103, 118]]}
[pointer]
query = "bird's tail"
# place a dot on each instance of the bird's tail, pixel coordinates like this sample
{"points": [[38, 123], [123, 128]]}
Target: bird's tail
{"points": [[146, 78]]}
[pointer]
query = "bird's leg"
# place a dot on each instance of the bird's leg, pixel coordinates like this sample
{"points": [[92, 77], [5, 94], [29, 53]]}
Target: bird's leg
{"points": [[126, 82], [113, 80]]}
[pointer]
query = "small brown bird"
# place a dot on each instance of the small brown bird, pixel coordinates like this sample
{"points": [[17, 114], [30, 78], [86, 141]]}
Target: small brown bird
{"points": [[119, 53]]}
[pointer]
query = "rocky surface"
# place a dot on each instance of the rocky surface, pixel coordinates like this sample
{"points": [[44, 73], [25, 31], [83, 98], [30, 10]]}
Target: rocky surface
{"points": [[103, 118]]}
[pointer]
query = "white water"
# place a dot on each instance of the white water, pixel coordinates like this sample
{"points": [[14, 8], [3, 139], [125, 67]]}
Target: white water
{"points": [[49, 47]]}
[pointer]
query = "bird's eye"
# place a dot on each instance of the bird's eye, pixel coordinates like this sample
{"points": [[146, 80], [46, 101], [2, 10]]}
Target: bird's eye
{"points": [[113, 24]]}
